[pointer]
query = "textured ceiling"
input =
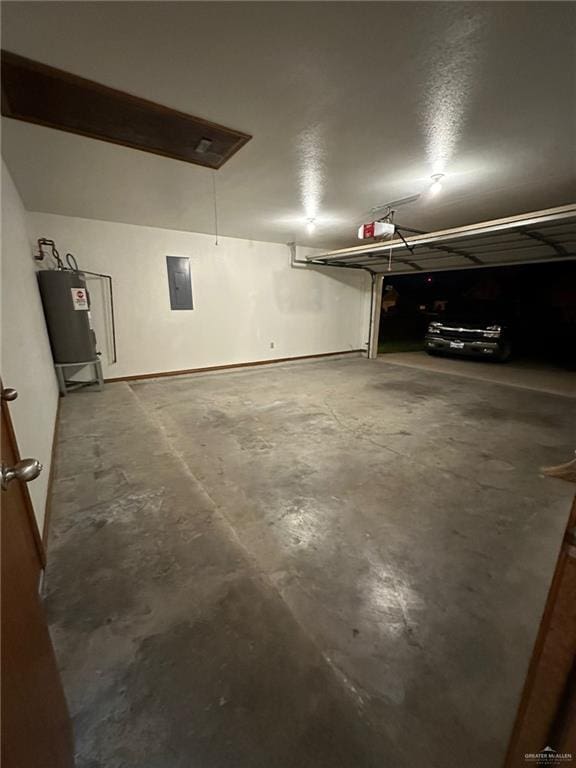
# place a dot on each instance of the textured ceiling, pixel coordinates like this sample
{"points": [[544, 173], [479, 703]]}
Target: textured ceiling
{"points": [[350, 105]]}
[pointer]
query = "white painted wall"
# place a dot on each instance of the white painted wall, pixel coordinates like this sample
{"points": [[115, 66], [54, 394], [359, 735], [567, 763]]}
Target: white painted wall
{"points": [[246, 296], [26, 360]]}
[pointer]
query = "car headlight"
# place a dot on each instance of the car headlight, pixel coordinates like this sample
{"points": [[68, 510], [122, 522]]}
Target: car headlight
{"points": [[434, 327], [492, 332]]}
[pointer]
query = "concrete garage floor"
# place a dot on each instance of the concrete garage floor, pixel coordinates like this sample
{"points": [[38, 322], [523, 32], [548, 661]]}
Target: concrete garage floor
{"points": [[337, 563], [525, 374]]}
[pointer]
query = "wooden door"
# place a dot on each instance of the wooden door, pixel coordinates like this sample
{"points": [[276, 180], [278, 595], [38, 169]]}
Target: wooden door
{"points": [[547, 713], [36, 730]]}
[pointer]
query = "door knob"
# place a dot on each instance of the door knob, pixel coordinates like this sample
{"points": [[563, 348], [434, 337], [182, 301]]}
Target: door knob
{"points": [[9, 394], [24, 470]]}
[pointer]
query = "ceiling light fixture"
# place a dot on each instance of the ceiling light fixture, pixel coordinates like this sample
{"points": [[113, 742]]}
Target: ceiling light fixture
{"points": [[436, 183], [311, 226]]}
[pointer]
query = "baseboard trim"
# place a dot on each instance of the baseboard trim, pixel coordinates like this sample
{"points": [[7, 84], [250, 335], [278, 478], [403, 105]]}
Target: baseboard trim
{"points": [[48, 505], [189, 371]]}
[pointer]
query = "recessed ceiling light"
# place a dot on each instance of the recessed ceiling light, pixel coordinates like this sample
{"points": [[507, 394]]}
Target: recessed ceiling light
{"points": [[436, 183]]}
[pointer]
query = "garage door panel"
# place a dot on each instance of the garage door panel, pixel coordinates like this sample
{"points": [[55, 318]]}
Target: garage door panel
{"points": [[547, 235]]}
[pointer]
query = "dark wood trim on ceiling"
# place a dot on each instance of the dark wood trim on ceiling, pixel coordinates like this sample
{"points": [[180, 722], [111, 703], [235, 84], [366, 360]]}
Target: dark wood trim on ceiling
{"points": [[212, 368], [39, 94]]}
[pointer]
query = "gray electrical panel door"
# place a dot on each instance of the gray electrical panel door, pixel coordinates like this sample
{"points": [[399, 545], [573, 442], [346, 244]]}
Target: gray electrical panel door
{"points": [[179, 282]]}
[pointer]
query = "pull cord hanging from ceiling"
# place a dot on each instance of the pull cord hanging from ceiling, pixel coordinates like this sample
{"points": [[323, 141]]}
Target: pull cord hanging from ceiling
{"points": [[215, 199]]}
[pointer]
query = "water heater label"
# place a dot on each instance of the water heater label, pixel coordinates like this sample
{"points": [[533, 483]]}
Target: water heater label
{"points": [[79, 298]]}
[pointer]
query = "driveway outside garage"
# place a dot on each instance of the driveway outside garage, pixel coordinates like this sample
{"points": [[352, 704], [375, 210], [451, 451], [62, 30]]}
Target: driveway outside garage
{"points": [[338, 563], [541, 377]]}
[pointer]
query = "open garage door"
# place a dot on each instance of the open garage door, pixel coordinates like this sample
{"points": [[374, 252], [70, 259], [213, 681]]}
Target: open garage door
{"points": [[531, 238]]}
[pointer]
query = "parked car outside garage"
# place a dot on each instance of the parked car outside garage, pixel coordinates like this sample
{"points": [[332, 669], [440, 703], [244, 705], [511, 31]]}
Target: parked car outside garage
{"points": [[479, 331]]}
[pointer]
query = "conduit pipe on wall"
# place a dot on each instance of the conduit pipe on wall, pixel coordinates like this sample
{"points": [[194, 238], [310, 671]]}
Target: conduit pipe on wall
{"points": [[375, 294]]}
